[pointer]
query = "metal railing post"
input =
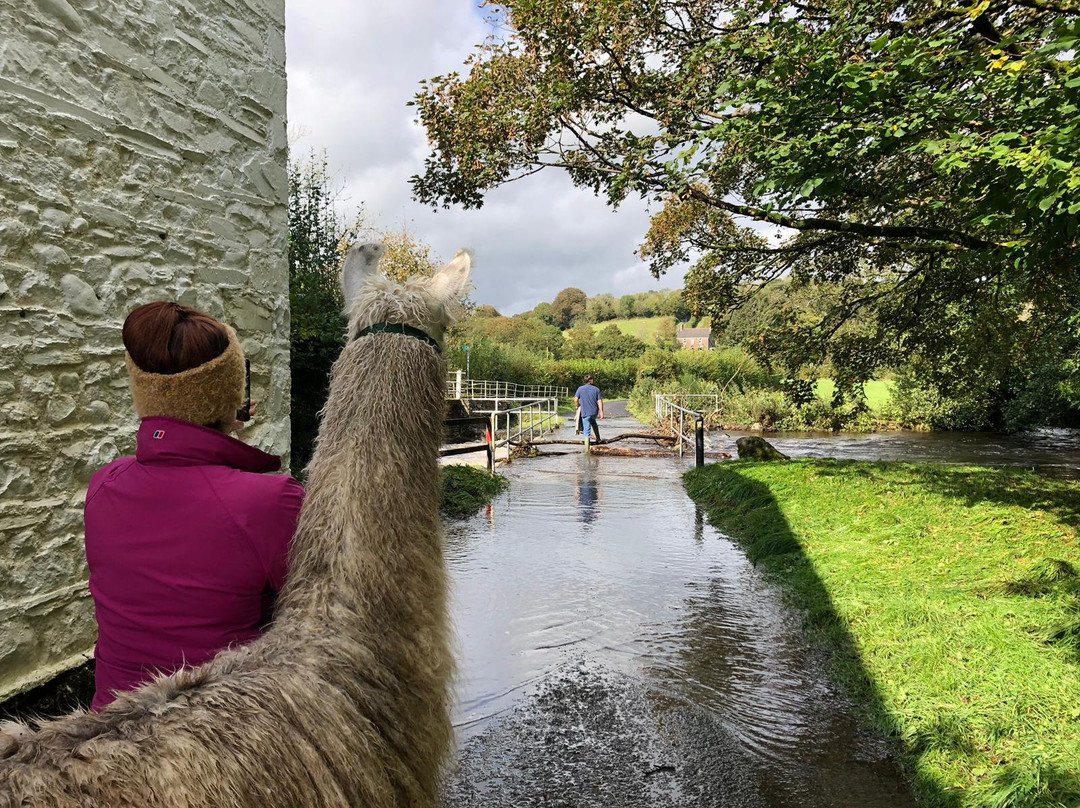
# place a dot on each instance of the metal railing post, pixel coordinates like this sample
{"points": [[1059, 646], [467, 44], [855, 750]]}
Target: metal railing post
{"points": [[699, 441]]}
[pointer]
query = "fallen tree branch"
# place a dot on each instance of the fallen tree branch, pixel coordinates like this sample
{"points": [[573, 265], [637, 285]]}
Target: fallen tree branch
{"points": [[640, 435], [621, 451]]}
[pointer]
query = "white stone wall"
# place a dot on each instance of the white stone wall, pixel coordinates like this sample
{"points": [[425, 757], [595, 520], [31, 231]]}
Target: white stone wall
{"points": [[142, 157]]}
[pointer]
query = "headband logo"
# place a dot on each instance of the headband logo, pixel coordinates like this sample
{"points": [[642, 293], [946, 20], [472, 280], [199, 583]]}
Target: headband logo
{"points": [[159, 434]]}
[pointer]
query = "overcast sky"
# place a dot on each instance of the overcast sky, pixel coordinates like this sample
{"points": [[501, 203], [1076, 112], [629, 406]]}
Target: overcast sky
{"points": [[352, 68]]}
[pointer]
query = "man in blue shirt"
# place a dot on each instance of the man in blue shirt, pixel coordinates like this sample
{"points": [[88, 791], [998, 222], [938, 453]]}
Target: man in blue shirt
{"points": [[592, 407]]}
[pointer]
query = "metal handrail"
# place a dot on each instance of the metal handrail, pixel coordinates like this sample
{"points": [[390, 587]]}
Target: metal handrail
{"points": [[676, 417], [695, 397], [533, 418], [487, 390]]}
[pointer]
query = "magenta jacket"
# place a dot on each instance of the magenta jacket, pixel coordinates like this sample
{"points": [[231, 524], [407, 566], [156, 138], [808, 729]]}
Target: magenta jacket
{"points": [[187, 543]]}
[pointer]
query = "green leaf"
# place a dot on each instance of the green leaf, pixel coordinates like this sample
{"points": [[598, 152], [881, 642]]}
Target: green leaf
{"points": [[809, 186]]}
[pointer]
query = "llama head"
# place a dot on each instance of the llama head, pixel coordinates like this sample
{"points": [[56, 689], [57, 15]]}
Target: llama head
{"points": [[430, 304]]}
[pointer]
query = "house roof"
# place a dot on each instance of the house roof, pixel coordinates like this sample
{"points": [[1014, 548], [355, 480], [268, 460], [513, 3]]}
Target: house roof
{"points": [[692, 333]]}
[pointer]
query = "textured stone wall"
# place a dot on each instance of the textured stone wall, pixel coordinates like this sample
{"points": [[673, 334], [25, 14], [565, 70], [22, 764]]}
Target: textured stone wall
{"points": [[142, 157]]}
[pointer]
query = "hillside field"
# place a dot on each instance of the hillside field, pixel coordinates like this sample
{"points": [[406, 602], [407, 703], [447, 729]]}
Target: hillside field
{"points": [[644, 328]]}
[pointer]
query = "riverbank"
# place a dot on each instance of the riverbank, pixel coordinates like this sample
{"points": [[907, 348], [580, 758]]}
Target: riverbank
{"points": [[949, 603]]}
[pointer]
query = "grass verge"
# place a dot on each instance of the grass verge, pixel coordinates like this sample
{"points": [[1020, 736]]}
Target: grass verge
{"points": [[466, 489], [949, 602]]}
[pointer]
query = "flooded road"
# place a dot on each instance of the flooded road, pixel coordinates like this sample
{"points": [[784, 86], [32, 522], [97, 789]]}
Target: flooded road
{"points": [[615, 649]]}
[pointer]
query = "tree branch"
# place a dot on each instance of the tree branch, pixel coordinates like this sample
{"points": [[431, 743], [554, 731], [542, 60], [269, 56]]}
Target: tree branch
{"points": [[812, 223]]}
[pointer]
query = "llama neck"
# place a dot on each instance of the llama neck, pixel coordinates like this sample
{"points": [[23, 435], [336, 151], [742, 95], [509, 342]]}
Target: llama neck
{"points": [[368, 542]]}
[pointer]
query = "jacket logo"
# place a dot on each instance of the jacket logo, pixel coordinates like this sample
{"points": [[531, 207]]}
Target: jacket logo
{"points": [[159, 434]]}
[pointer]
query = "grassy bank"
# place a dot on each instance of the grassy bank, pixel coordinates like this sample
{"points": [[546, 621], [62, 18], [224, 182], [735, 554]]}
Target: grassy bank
{"points": [[466, 489], [949, 602]]}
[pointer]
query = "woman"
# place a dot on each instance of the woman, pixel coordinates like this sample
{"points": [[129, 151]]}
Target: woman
{"points": [[187, 541]]}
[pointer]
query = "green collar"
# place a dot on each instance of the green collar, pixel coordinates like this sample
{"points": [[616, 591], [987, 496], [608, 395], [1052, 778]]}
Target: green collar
{"points": [[398, 328]]}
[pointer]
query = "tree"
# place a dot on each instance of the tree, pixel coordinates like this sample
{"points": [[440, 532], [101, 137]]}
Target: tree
{"points": [[601, 308], [406, 256], [568, 307], [544, 313], [665, 334], [674, 305], [580, 343], [611, 343], [486, 310], [539, 337], [908, 157], [627, 307], [317, 237]]}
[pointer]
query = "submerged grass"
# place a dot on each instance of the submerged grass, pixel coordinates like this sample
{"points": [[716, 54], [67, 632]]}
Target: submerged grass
{"points": [[949, 601], [466, 489]]}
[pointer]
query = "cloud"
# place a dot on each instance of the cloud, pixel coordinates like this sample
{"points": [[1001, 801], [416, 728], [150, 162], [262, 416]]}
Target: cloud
{"points": [[352, 69]]}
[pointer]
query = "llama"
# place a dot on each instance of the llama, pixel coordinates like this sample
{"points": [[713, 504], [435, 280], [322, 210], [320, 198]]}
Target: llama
{"points": [[344, 700]]}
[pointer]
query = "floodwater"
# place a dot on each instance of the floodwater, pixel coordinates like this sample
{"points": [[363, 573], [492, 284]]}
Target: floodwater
{"points": [[615, 649], [1052, 451]]}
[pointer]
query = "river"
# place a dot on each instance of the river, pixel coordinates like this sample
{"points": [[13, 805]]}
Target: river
{"points": [[1052, 451]]}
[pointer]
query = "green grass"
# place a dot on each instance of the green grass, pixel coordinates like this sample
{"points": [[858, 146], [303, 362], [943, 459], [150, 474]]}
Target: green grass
{"points": [[878, 392], [466, 489], [950, 604]]}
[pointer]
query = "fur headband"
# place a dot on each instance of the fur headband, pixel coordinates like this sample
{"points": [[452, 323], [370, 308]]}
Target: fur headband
{"points": [[207, 394]]}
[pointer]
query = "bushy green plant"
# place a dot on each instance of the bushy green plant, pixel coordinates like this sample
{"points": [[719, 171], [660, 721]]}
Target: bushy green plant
{"points": [[769, 408], [614, 377], [511, 363], [726, 366], [658, 365], [464, 490], [918, 405]]}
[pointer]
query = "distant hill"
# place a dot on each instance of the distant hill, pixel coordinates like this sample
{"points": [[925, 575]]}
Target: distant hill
{"points": [[644, 328]]}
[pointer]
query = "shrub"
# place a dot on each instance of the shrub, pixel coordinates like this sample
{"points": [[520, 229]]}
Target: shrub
{"points": [[466, 489]]}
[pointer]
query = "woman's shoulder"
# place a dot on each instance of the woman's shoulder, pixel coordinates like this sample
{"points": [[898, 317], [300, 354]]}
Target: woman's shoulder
{"points": [[261, 489], [107, 473]]}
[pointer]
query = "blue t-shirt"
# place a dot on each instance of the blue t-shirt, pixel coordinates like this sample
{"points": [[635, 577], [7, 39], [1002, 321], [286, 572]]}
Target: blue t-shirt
{"points": [[588, 395]]}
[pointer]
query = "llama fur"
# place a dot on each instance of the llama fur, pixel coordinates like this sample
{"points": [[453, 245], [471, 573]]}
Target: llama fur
{"points": [[344, 700]]}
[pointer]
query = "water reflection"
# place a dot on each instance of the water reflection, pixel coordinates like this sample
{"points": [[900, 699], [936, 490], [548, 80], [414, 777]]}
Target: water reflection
{"points": [[588, 495]]}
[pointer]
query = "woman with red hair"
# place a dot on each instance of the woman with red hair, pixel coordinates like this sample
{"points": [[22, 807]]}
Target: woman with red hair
{"points": [[187, 541]]}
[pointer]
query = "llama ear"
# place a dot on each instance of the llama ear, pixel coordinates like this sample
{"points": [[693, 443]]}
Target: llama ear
{"points": [[450, 281], [361, 264]]}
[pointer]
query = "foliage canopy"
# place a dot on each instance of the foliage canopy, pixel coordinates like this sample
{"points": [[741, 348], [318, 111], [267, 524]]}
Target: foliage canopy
{"points": [[917, 161]]}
